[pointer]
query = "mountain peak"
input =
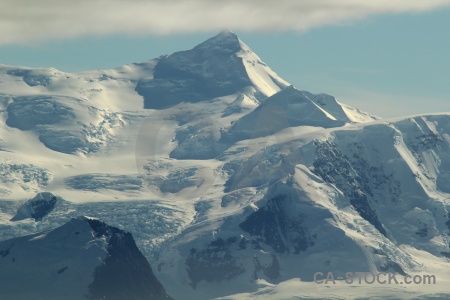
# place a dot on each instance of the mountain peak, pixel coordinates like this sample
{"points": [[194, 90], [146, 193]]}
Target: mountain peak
{"points": [[68, 260], [226, 32], [220, 66], [225, 40]]}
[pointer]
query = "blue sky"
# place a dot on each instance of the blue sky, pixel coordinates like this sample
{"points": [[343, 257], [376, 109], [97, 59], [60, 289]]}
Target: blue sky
{"points": [[390, 64]]}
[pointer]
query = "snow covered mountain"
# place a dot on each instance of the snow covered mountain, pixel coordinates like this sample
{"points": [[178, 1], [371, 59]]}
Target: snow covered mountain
{"points": [[234, 183], [220, 66], [83, 259]]}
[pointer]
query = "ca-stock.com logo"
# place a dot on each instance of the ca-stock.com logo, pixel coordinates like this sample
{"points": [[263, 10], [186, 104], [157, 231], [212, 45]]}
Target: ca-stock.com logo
{"points": [[370, 278]]}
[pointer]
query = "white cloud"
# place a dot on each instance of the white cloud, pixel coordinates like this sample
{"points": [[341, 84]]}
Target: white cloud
{"points": [[23, 21]]}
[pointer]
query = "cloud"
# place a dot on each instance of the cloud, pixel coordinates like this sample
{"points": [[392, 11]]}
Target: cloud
{"points": [[25, 21]]}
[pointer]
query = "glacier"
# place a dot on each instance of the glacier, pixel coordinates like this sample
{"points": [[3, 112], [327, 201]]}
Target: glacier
{"points": [[234, 183]]}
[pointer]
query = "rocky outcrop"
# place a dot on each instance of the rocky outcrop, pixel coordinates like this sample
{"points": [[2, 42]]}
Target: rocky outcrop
{"points": [[36, 208], [83, 259]]}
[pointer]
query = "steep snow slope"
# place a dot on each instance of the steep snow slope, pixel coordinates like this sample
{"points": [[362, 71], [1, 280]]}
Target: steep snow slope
{"points": [[289, 108]]}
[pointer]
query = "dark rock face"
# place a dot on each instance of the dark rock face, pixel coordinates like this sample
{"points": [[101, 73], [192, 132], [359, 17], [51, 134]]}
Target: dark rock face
{"points": [[36, 208], [83, 259], [43, 206], [422, 232], [32, 77], [209, 70], [334, 167], [273, 225], [41, 114], [125, 273], [63, 141], [447, 223], [27, 112], [215, 263]]}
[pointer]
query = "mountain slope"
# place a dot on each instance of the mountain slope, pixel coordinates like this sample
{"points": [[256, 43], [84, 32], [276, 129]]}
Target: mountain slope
{"points": [[83, 259], [94, 116], [374, 190], [232, 181]]}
